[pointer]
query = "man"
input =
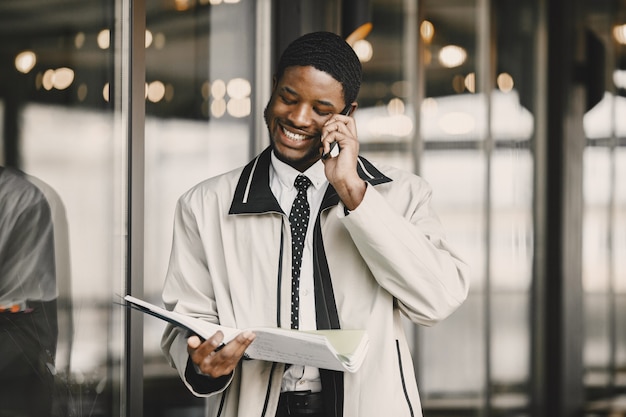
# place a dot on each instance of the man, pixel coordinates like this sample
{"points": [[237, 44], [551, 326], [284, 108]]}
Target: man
{"points": [[373, 249], [28, 293]]}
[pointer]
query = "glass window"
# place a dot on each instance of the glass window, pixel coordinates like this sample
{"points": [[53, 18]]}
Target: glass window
{"points": [[476, 124], [200, 67], [59, 129], [604, 245]]}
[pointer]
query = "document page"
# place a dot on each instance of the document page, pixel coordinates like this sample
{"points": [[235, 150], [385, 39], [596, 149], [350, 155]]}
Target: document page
{"points": [[340, 350]]}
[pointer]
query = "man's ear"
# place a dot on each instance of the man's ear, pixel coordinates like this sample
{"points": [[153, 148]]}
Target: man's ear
{"points": [[274, 83], [353, 106]]}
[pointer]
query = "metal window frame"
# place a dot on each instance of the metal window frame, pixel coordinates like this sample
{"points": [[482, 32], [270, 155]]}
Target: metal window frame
{"points": [[129, 93]]}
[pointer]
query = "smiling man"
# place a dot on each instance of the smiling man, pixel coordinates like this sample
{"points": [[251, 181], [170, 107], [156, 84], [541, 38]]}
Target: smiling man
{"points": [[296, 240]]}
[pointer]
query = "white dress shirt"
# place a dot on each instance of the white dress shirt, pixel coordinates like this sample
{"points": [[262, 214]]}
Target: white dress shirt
{"points": [[282, 177]]}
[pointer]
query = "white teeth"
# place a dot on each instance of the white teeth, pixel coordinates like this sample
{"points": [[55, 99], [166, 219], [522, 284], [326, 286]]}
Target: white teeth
{"points": [[293, 136]]}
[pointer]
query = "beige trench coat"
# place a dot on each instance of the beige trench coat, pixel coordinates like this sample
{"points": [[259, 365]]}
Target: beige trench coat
{"points": [[387, 257]]}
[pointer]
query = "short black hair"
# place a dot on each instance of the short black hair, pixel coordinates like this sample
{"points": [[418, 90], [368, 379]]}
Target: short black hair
{"points": [[328, 52]]}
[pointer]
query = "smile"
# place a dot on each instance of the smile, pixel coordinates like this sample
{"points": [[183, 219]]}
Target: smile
{"points": [[293, 136]]}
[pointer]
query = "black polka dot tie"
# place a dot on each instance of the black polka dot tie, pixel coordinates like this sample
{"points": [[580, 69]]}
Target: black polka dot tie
{"points": [[299, 221]]}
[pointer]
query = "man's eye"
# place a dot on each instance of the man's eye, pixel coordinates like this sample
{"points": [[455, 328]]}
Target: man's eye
{"points": [[322, 112], [287, 101]]}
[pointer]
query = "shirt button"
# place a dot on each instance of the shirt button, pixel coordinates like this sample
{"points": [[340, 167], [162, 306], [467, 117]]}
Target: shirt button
{"points": [[301, 382], [305, 292]]}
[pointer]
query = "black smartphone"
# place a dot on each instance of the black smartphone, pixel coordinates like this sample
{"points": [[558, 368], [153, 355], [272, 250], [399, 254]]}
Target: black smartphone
{"points": [[334, 148]]}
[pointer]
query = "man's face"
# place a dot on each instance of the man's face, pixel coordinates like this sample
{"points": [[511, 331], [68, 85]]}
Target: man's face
{"points": [[303, 99]]}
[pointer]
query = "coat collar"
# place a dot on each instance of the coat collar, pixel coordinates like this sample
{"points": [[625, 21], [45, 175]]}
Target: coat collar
{"points": [[254, 196]]}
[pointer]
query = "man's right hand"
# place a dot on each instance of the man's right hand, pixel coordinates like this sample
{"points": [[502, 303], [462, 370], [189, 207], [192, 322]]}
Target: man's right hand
{"points": [[216, 362]]}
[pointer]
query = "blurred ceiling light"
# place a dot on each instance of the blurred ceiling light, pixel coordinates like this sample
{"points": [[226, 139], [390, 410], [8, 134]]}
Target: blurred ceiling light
{"points": [[231, 1], [428, 56], [239, 107], [619, 32], [505, 82], [79, 40], [182, 5], [215, 2], [238, 88], [60, 78], [458, 83], [363, 50], [395, 106], [156, 91], [429, 107], [46, 81], [205, 90], [218, 89], [456, 123], [470, 82], [159, 40], [63, 78], [25, 61], [104, 39], [218, 107], [81, 92], [148, 38], [427, 31], [619, 78], [105, 92], [359, 33], [451, 56]]}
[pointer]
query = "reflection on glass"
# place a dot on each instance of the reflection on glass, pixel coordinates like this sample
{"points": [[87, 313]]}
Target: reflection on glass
{"points": [[73, 151], [58, 128], [28, 294]]}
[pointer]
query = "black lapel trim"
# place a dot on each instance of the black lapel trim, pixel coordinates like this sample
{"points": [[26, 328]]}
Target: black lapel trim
{"points": [[253, 194], [279, 278], [325, 306], [269, 390], [368, 173], [327, 317]]}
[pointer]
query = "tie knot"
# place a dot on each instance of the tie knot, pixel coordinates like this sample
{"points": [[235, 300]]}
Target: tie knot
{"points": [[302, 182]]}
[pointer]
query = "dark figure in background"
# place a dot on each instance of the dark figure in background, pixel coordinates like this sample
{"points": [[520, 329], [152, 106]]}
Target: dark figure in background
{"points": [[28, 293]]}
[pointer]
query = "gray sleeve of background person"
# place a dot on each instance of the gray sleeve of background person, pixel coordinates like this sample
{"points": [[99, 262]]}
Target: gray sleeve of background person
{"points": [[27, 264], [27, 280]]}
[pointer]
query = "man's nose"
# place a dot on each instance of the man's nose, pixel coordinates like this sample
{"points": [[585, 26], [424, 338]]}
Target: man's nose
{"points": [[301, 116]]}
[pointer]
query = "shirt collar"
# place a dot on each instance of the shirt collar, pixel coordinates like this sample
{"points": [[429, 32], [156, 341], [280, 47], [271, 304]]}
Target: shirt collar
{"points": [[287, 174]]}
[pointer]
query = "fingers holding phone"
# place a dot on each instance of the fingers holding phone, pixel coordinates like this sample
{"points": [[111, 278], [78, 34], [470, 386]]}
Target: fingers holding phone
{"points": [[337, 132]]}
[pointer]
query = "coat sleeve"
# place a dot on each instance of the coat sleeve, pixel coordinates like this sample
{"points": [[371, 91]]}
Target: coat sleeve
{"points": [[188, 289], [403, 243]]}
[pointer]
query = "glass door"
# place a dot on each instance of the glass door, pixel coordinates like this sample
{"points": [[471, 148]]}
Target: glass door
{"points": [[62, 347]]}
